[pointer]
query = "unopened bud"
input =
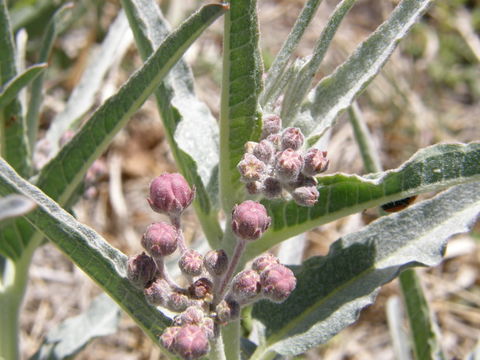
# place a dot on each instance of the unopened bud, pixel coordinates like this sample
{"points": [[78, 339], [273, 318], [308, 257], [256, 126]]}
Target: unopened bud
{"points": [[272, 124], [227, 310], [264, 151], [316, 162], [254, 187], [158, 292], [193, 315], [276, 140], [216, 262], [141, 270], [191, 342], [288, 165], [272, 188], [250, 220], [249, 146], [292, 138], [178, 302], [263, 261], [251, 168], [167, 339], [170, 194], [191, 263], [306, 195], [278, 282], [246, 286], [201, 289], [160, 239]]}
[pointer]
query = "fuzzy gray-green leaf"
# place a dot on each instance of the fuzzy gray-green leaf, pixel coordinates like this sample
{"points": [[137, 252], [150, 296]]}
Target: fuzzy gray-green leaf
{"points": [[13, 87], [332, 290], [15, 205]]}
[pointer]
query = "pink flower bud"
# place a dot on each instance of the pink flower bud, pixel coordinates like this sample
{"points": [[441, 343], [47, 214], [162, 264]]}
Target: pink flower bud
{"points": [[191, 342], [288, 165], [251, 168], [201, 289], [272, 124], [178, 302], [254, 187], [316, 162], [191, 263], [272, 188], [141, 270], [249, 146], [306, 195], [216, 262], [167, 339], [193, 315], [264, 261], [276, 140], [227, 310], [292, 138], [160, 239], [158, 292], [264, 151], [250, 220], [246, 286], [170, 194], [278, 282]]}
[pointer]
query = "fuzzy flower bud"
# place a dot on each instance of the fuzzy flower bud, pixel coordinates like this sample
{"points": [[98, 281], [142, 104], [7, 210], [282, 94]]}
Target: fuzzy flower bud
{"points": [[227, 310], [141, 270], [278, 282], [251, 168], [250, 220], [160, 239], [216, 262], [167, 339], [191, 263], [306, 195], [193, 315], [201, 289], [246, 285], [178, 302], [272, 188], [276, 140], [264, 261], [254, 187], [292, 138], [170, 194], [264, 151], [191, 342], [316, 162], [158, 292], [271, 125], [249, 146], [288, 165]]}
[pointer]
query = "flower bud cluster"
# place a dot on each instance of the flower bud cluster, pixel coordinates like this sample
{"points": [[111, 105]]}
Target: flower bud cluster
{"points": [[212, 296], [278, 164]]}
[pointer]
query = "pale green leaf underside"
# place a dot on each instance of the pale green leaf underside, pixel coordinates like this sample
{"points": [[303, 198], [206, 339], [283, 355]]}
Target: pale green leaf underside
{"points": [[332, 290], [191, 129], [430, 169], [102, 262], [15, 85], [242, 82], [336, 92], [15, 205]]}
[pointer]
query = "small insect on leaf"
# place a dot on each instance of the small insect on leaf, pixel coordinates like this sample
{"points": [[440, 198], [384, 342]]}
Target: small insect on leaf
{"points": [[398, 205]]}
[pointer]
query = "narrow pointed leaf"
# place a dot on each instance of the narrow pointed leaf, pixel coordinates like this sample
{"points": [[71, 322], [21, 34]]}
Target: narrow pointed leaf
{"points": [[275, 73], [191, 129], [242, 82], [332, 290], [13, 87], [336, 92], [431, 169], [103, 263]]}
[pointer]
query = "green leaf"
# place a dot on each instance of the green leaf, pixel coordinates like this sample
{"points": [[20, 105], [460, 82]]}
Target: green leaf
{"points": [[54, 27], [298, 88], [103, 263], [336, 92], [15, 205], [13, 87], [430, 169], [64, 341], [332, 290], [61, 176], [276, 71], [191, 129], [13, 144], [241, 85], [400, 343]]}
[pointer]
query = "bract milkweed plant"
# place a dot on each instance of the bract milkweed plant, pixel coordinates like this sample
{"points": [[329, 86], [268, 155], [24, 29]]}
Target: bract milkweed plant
{"points": [[255, 178]]}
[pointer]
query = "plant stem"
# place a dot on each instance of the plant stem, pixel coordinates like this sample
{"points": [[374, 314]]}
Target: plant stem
{"points": [[231, 337], [217, 351], [163, 273]]}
